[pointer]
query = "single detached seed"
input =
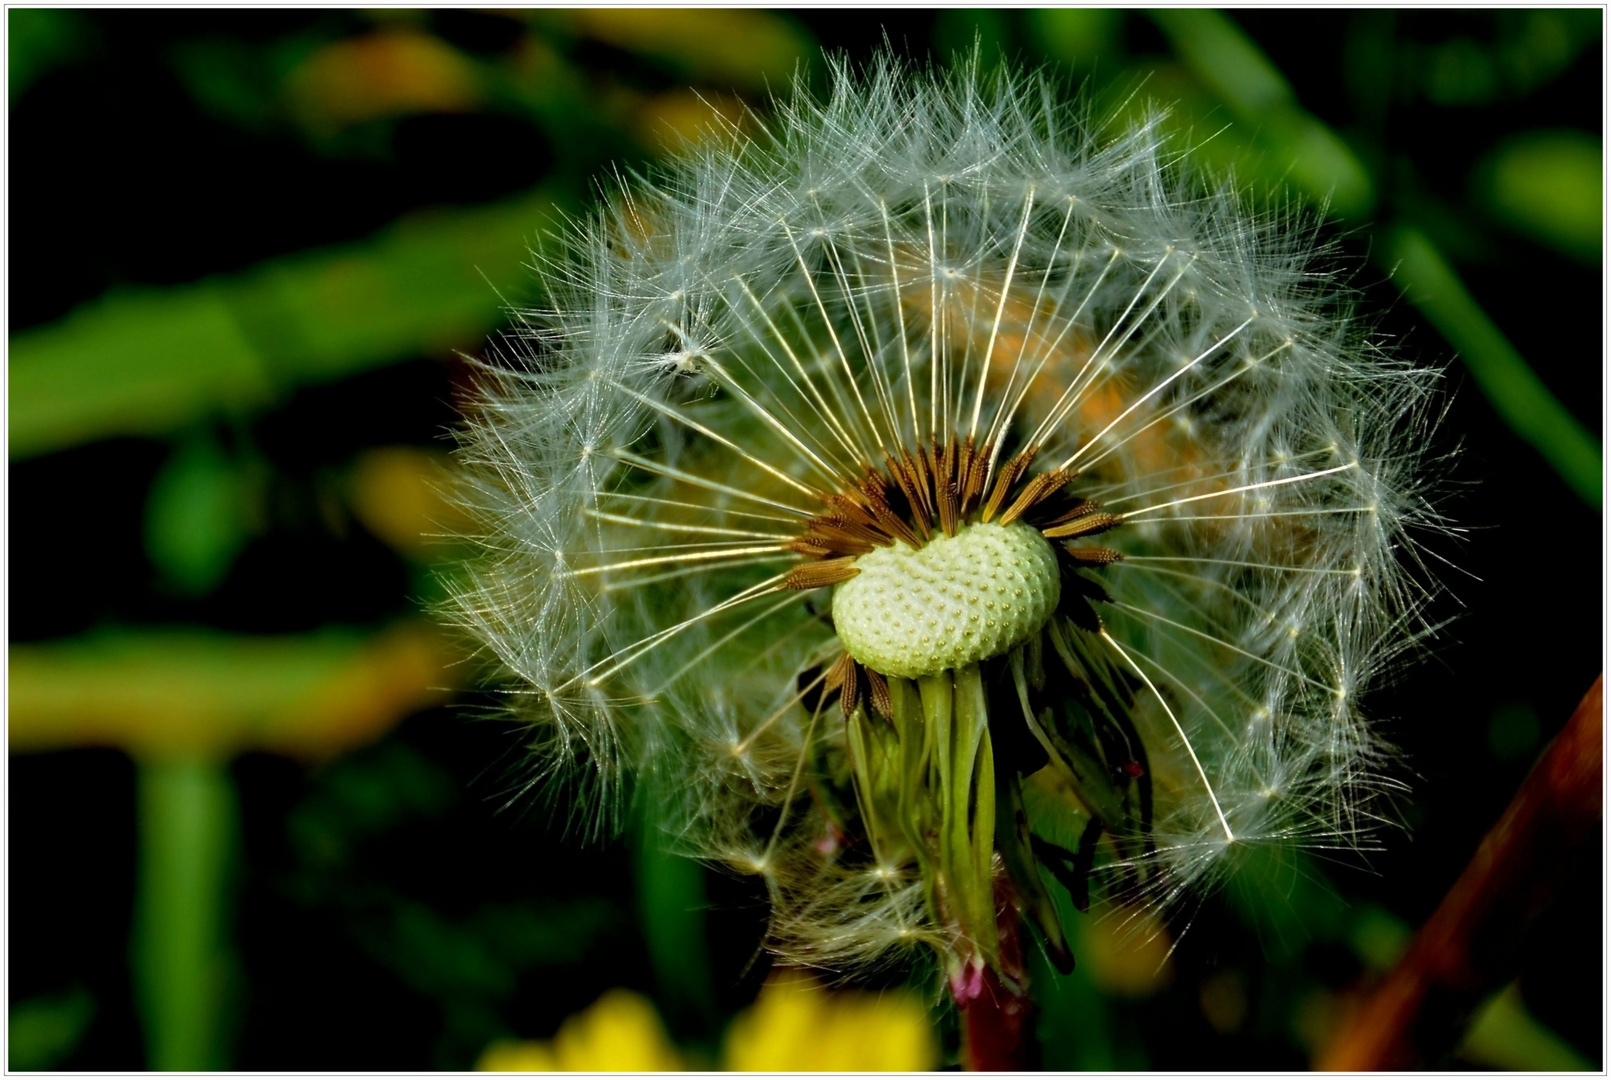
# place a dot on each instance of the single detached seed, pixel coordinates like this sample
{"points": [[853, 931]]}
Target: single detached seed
{"points": [[881, 615]]}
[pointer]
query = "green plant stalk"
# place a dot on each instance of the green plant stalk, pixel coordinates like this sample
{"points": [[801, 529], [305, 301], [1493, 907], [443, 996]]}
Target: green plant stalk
{"points": [[187, 840], [1324, 168], [671, 912], [954, 709], [1515, 391]]}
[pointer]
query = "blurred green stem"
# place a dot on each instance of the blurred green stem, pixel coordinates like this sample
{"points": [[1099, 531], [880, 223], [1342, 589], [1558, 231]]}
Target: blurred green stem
{"points": [[1324, 167], [1520, 397], [671, 911], [180, 948], [1315, 158]]}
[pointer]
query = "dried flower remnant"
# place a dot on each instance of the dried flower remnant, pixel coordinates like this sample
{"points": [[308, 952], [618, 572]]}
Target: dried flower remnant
{"points": [[934, 487]]}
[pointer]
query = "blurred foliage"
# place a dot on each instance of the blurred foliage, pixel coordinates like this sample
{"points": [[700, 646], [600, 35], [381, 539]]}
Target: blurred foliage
{"points": [[199, 516], [38, 39], [243, 289], [1320, 164], [198, 695], [41, 1031], [729, 48], [1504, 1035], [671, 903], [147, 362], [1547, 185]]}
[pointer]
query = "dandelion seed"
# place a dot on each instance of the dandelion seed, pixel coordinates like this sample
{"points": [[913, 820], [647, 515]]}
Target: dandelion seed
{"points": [[947, 487]]}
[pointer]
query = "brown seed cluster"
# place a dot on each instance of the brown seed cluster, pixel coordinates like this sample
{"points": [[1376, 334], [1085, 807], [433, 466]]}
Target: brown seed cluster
{"points": [[938, 490]]}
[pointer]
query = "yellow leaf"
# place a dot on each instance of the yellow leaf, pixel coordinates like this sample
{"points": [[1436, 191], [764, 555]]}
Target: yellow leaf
{"points": [[398, 493], [199, 695], [745, 48], [667, 121], [392, 72]]}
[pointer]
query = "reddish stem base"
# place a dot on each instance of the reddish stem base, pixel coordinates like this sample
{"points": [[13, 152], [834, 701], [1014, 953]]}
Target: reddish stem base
{"points": [[995, 1007], [994, 1026]]}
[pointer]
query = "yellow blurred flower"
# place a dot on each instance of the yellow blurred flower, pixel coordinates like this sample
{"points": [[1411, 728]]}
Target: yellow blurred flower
{"points": [[1126, 953], [797, 1026], [620, 1032], [794, 1026]]}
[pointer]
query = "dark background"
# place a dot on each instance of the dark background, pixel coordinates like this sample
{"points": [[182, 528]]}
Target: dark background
{"points": [[329, 189]]}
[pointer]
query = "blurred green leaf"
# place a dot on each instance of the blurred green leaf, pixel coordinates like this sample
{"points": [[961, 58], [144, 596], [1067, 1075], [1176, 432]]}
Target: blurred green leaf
{"points": [[234, 80], [1306, 152], [131, 363], [960, 32], [746, 49], [1516, 392], [1538, 44], [43, 1030], [1504, 1035], [1285, 896], [485, 953], [450, 959], [471, 967], [38, 39], [426, 285], [197, 516], [143, 362], [1074, 1023], [1379, 937], [1513, 731], [1080, 37], [360, 795], [1459, 72], [1223, 57], [1548, 185]]}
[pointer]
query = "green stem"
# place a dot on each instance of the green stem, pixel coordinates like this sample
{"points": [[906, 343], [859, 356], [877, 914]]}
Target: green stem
{"points": [[1517, 394], [1321, 163], [957, 716], [671, 911], [181, 950]]}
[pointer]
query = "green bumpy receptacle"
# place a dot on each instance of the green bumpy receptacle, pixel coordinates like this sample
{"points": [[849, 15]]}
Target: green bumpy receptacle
{"points": [[956, 600]]}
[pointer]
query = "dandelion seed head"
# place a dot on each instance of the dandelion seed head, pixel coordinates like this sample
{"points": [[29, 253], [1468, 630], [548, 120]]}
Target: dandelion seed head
{"points": [[938, 440]]}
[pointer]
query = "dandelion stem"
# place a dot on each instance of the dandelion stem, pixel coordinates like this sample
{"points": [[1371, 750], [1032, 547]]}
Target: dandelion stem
{"points": [[996, 1006], [1473, 943]]}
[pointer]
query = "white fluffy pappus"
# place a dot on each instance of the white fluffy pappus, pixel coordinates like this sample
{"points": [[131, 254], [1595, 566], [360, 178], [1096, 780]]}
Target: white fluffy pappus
{"points": [[926, 304]]}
